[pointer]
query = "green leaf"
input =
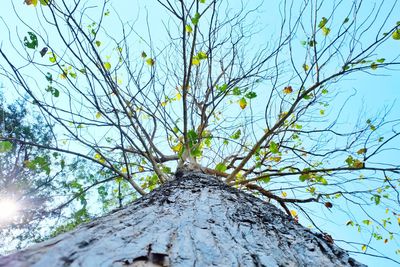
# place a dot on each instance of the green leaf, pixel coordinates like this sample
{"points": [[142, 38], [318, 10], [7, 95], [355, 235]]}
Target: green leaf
{"points": [[346, 20], [33, 43], [44, 2], [236, 91], [273, 147], [201, 55], [251, 95], [322, 23], [98, 43], [5, 146], [195, 19], [236, 135], [53, 58], [203, 1], [221, 167], [381, 60], [49, 77], [312, 43], [143, 55]]}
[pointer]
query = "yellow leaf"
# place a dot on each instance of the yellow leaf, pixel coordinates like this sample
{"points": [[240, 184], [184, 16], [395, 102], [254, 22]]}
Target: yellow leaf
{"points": [[107, 65], [98, 115], [242, 103], [99, 158], [177, 148], [398, 220], [284, 194], [178, 96], [364, 248], [164, 103], [293, 212], [150, 61], [141, 169], [195, 61], [306, 67], [188, 29], [124, 170], [288, 89]]}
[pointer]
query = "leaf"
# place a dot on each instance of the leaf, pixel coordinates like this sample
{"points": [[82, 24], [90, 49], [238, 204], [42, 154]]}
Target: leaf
{"points": [[33, 43], [381, 60], [44, 2], [312, 43], [367, 222], [143, 55], [107, 65], [195, 61], [346, 20], [243, 103], [236, 135], [325, 31], [188, 28], [306, 67], [177, 148], [273, 147], [364, 248], [195, 19], [251, 95], [31, 2], [236, 91], [396, 34], [202, 55], [98, 115], [288, 90], [221, 167], [293, 213], [43, 51], [140, 168], [322, 23], [374, 66], [328, 205], [362, 151], [98, 43], [203, 1], [49, 77], [53, 58], [5, 146], [150, 61]]}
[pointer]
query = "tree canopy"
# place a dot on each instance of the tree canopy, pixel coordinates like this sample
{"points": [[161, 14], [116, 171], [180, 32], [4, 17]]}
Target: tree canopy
{"points": [[256, 93]]}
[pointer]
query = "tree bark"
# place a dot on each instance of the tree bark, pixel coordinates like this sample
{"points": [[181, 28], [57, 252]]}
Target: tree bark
{"points": [[195, 220]]}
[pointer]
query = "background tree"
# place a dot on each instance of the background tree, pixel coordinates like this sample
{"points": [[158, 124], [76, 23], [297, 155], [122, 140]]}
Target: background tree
{"points": [[25, 179], [204, 92]]}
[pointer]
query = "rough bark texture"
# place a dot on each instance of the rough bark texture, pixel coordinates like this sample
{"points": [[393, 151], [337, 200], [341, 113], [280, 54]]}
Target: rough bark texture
{"points": [[195, 220]]}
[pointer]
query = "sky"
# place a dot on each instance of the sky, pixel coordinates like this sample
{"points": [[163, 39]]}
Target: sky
{"points": [[372, 91]]}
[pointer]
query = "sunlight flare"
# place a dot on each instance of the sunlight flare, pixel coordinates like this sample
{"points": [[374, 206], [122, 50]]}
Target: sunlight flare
{"points": [[8, 209]]}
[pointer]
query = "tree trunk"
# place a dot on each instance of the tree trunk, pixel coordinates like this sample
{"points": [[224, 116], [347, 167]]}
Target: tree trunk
{"points": [[195, 220]]}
